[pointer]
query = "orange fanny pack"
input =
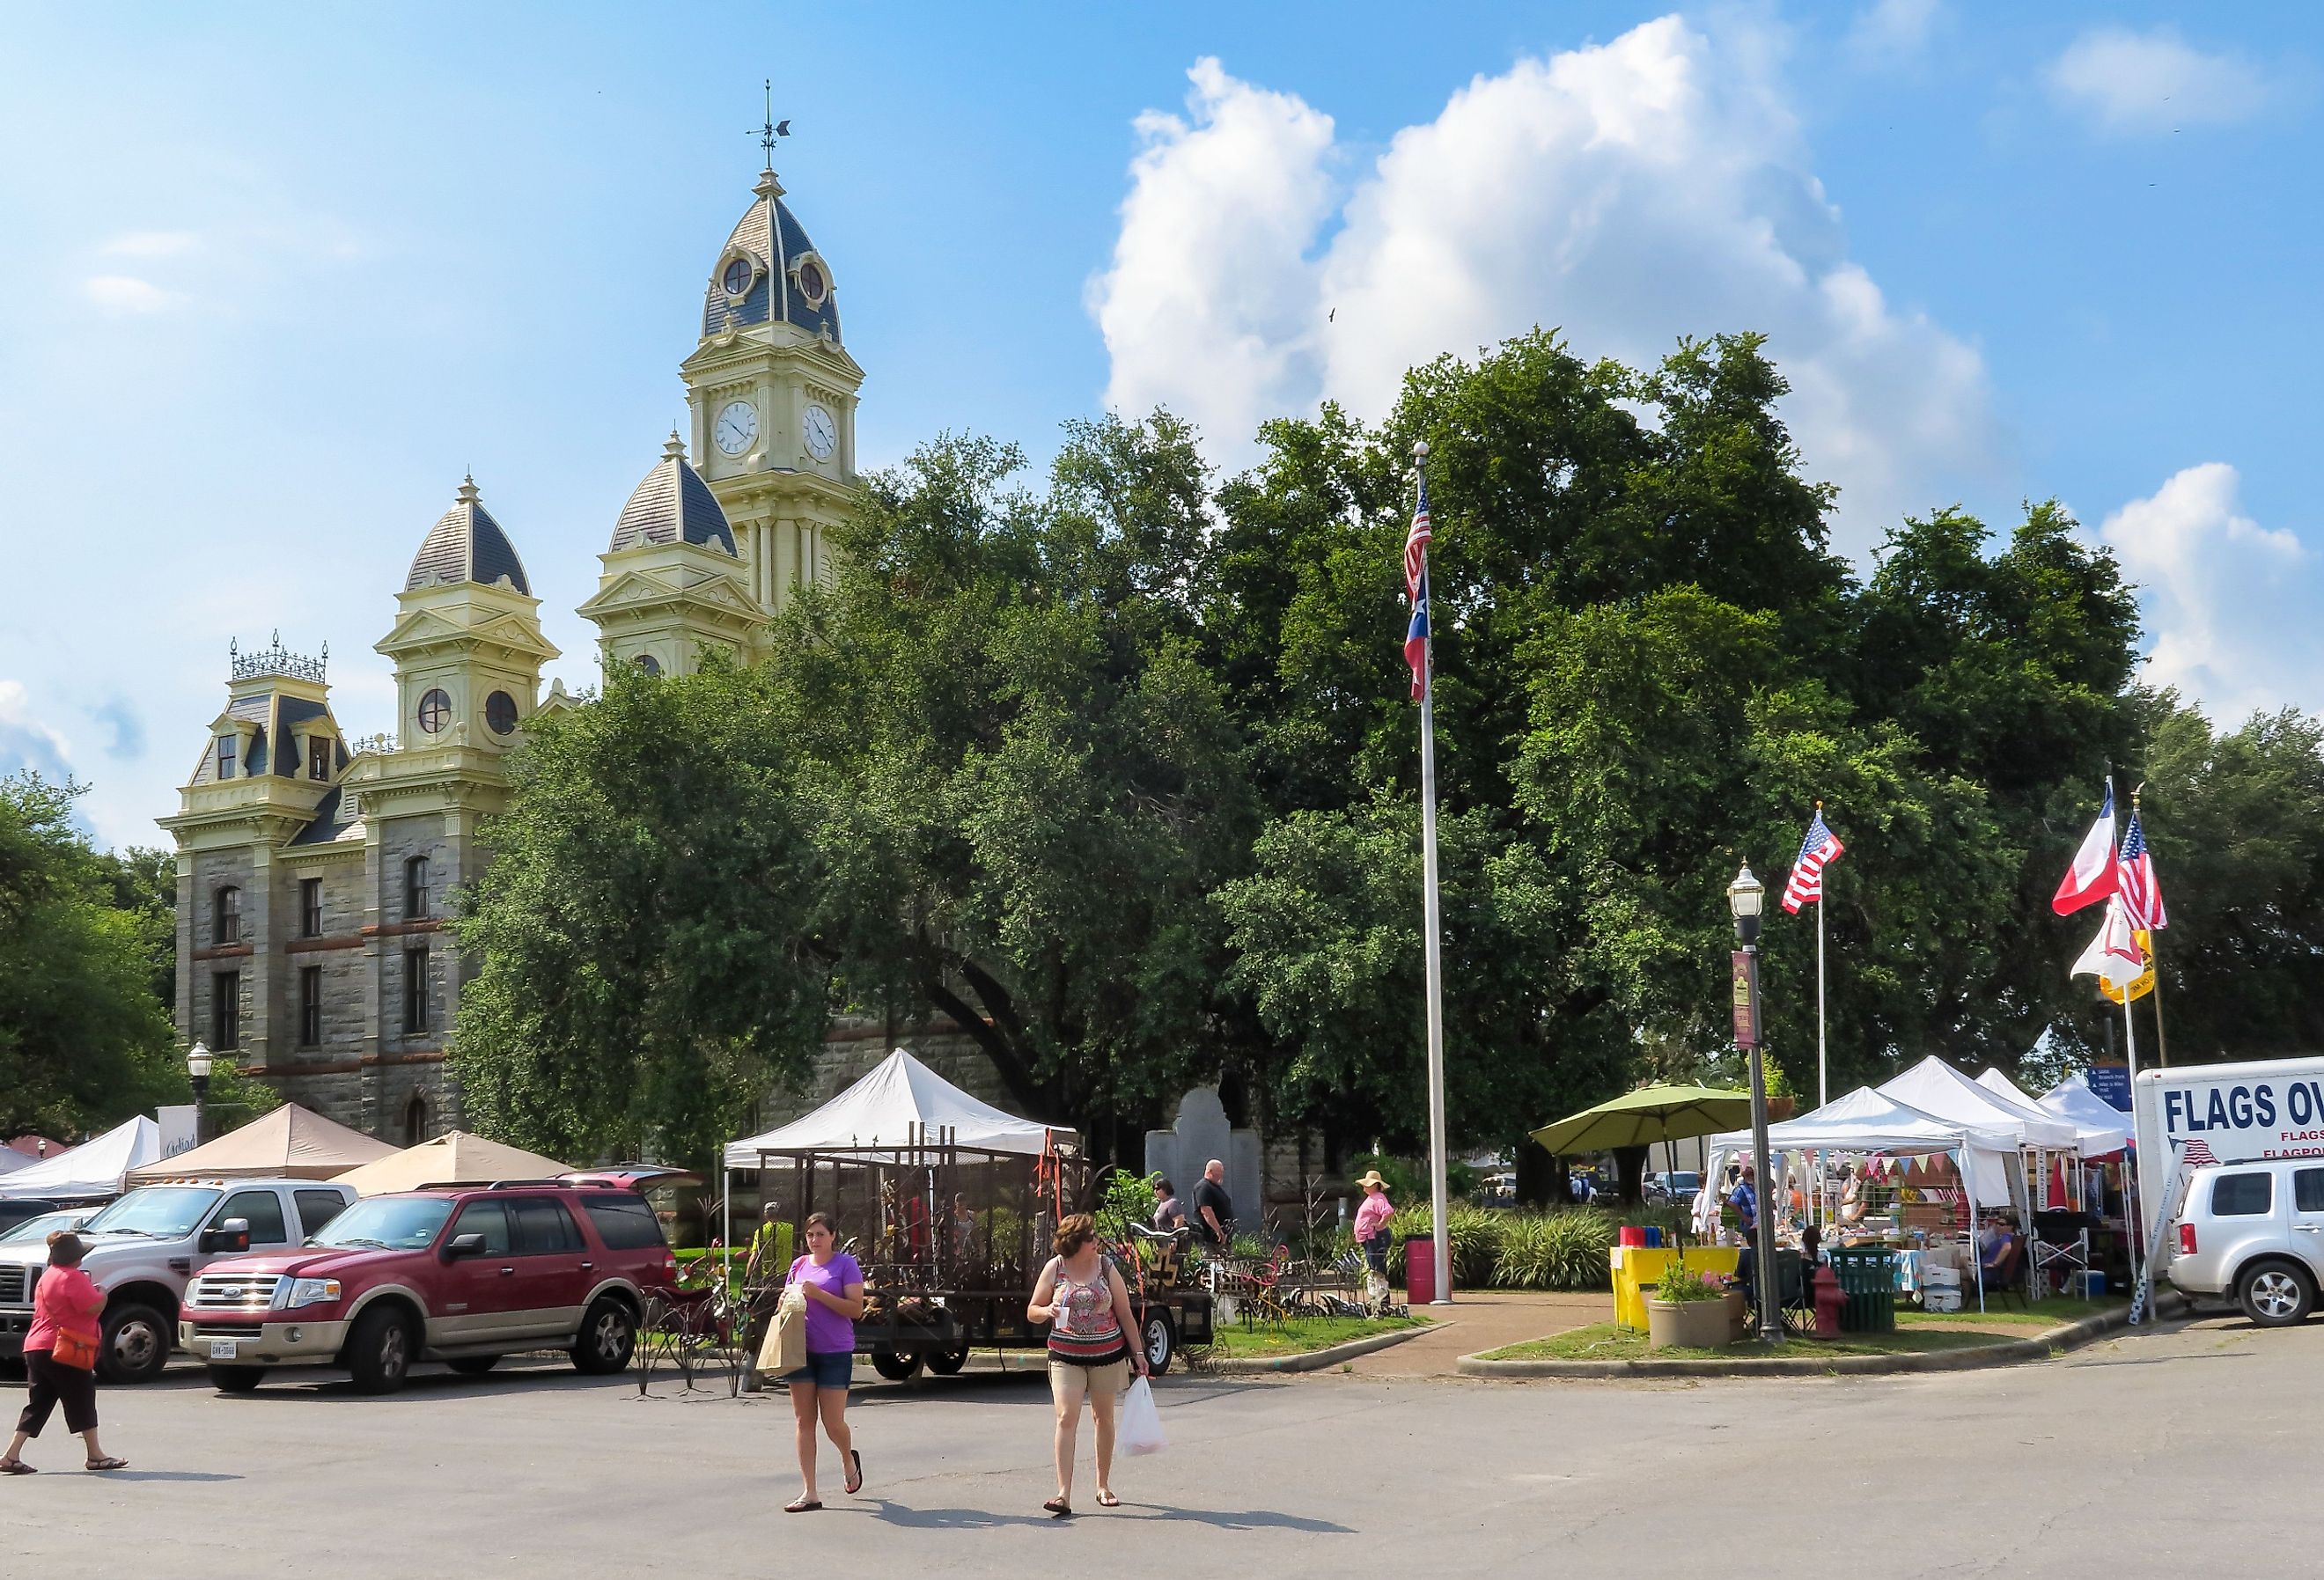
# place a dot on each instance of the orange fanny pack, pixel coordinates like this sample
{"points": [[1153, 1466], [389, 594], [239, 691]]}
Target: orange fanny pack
{"points": [[74, 1351]]}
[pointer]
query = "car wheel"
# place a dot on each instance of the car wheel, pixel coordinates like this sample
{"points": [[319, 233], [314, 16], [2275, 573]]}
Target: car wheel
{"points": [[1161, 1342], [894, 1365], [380, 1350], [134, 1345], [948, 1363], [609, 1331], [474, 1366], [2275, 1295], [235, 1379]]}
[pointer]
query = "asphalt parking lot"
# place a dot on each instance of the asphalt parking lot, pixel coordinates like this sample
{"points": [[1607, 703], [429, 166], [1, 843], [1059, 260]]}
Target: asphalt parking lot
{"points": [[2192, 1445]]}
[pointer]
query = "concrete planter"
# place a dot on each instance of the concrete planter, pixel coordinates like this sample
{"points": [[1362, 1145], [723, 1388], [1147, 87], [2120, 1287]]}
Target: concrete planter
{"points": [[1694, 1325]]}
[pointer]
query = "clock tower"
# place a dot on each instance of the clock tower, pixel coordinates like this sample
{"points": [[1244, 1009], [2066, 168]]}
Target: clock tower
{"points": [[770, 389]]}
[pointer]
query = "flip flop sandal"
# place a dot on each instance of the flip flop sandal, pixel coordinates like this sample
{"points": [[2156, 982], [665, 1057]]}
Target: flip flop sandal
{"points": [[855, 1479], [1108, 1501], [108, 1464], [803, 1506], [17, 1467], [1059, 1508]]}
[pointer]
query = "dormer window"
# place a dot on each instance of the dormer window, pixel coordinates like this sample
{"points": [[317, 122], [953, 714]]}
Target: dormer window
{"points": [[227, 916], [737, 277], [318, 758], [226, 757]]}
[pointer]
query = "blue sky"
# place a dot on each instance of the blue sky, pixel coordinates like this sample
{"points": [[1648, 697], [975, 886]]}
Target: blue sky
{"points": [[270, 283]]}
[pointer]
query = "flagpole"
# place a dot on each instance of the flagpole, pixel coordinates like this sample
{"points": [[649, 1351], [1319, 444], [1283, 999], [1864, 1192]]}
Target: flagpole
{"points": [[1439, 1185], [1823, 1080]]}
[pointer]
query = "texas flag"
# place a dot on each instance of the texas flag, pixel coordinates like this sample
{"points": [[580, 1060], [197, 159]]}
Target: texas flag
{"points": [[2091, 878]]}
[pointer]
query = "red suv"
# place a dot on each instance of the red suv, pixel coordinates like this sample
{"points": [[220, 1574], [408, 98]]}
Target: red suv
{"points": [[459, 1274]]}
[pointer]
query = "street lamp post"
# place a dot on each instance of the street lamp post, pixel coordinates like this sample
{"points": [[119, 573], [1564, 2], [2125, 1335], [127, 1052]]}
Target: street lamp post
{"points": [[1744, 897], [198, 1075]]}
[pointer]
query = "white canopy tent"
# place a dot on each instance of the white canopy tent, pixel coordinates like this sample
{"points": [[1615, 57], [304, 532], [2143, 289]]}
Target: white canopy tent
{"points": [[12, 1160], [899, 1102], [2105, 1130], [1874, 1123], [93, 1168], [1934, 1086], [1993, 1080]]}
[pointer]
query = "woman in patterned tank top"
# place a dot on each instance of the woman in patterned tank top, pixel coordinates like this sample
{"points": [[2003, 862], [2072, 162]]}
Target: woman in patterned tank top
{"points": [[1082, 1296]]}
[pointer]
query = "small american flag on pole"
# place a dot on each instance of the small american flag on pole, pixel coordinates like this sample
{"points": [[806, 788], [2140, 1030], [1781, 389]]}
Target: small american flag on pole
{"points": [[2134, 880], [1816, 851]]}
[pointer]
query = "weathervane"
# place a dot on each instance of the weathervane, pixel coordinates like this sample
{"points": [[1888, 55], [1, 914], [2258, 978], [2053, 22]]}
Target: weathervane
{"points": [[771, 131]]}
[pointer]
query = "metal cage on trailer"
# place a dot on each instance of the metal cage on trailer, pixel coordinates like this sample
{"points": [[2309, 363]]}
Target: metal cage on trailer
{"points": [[952, 1238]]}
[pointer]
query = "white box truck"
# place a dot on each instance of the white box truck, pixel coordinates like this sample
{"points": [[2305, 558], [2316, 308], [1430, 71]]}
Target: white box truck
{"points": [[2222, 1113]]}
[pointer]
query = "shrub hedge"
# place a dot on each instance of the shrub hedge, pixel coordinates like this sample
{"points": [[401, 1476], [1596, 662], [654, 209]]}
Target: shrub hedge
{"points": [[1562, 1249]]}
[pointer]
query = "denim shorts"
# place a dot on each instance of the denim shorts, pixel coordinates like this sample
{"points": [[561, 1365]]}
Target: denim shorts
{"points": [[833, 1369]]}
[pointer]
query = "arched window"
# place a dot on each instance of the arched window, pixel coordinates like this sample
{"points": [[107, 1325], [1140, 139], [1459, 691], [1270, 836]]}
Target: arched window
{"points": [[227, 916], [415, 1120], [415, 888]]}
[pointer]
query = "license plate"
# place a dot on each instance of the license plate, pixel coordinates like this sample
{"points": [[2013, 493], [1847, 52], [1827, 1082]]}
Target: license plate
{"points": [[222, 1349]]}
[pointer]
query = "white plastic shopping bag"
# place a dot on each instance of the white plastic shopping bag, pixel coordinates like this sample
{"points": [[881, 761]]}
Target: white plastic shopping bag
{"points": [[1140, 1430]]}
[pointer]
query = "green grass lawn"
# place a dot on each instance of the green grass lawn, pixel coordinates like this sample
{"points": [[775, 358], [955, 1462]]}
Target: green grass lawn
{"points": [[1607, 1341], [1298, 1336], [2054, 1311]]}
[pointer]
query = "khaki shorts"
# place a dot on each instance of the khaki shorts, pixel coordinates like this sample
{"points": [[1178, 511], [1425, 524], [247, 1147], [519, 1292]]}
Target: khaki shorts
{"points": [[1070, 1384]]}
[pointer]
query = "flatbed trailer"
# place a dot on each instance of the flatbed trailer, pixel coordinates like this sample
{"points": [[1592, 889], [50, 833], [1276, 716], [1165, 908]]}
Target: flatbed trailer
{"points": [[952, 1240]]}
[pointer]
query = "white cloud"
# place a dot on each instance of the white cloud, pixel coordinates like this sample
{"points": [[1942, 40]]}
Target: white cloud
{"points": [[152, 243], [25, 741], [1890, 29], [126, 293], [2231, 604], [1630, 192], [2129, 82]]}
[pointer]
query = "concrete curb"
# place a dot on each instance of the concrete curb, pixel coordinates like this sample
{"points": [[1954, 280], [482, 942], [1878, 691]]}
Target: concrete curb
{"points": [[2040, 1346], [1315, 1360]]}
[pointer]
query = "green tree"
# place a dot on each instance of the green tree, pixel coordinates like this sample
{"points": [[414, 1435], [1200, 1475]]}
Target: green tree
{"points": [[642, 973], [85, 1042]]}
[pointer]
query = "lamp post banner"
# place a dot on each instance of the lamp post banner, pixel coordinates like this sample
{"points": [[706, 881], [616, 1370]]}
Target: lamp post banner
{"points": [[1747, 998]]}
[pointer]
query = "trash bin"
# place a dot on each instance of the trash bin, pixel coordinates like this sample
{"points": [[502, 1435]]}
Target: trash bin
{"points": [[1867, 1278], [1419, 1270]]}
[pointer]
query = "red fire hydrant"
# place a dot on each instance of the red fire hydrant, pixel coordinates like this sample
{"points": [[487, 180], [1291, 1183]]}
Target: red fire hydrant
{"points": [[1828, 1301]]}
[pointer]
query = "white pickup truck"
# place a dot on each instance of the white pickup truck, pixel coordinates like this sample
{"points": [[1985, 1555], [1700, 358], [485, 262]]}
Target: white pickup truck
{"points": [[144, 1248]]}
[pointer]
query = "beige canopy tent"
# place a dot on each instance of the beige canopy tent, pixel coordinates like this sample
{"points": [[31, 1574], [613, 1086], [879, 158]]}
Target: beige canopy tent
{"points": [[453, 1158], [290, 1141]]}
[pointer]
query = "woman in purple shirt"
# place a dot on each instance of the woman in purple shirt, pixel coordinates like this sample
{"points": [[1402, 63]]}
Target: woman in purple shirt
{"points": [[834, 1286]]}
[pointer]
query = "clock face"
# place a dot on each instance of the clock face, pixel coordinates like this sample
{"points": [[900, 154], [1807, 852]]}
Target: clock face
{"points": [[821, 432], [737, 424]]}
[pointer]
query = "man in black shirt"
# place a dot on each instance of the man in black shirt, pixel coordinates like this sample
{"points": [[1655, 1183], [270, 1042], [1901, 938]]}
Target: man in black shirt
{"points": [[1213, 1208]]}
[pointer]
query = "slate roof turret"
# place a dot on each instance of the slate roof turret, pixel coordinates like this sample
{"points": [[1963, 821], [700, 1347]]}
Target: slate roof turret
{"points": [[783, 279], [673, 504], [466, 545]]}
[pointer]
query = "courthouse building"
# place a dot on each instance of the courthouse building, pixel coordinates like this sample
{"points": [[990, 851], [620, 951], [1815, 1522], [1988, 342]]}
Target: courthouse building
{"points": [[314, 871]]}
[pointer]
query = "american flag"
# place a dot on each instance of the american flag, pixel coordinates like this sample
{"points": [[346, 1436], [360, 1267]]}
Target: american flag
{"points": [[2198, 1154], [2135, 881], [1806, 887], [1415, 587]]}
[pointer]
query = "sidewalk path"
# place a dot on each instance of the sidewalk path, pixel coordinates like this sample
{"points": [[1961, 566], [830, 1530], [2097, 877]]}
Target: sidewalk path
{"points": [[1483, 1320]]}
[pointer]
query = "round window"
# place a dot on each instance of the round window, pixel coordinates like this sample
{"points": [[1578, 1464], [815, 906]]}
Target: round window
{"points": [[500, 712], [812, 285], [435, 711], [649, 663], [738, 277]]}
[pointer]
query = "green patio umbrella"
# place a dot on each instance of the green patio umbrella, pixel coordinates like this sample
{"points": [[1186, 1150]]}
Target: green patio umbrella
{"points": [[1651, 1114]]}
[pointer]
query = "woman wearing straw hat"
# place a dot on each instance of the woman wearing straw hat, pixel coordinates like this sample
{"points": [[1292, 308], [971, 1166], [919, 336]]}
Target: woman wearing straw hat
{"points": [[1371, 1234]]}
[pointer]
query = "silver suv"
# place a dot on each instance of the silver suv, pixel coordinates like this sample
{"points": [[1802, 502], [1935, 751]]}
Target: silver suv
{"points": [[147, 1246], [2254, 1230]]}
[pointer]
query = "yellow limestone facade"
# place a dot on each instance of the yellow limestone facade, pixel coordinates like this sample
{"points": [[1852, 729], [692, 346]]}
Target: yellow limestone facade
{"points": [[314, 873]]}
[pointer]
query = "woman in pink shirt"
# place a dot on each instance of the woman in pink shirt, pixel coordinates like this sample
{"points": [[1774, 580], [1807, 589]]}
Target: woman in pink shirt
{"points": [[61, 1356], [1371, 1234]]}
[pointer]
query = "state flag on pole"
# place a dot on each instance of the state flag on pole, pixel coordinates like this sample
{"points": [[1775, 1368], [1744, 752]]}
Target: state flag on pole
{"points": [[2135, 881], [2091, 878], [1817, 851], [1415, 587]]}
